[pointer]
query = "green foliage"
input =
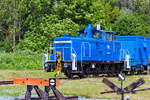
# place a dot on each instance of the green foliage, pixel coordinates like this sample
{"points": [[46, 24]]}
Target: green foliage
{"points": [[21, 60], [49, 28], [103, 13], [132, 25], [4, 46], [38, 22], [138, 6]]}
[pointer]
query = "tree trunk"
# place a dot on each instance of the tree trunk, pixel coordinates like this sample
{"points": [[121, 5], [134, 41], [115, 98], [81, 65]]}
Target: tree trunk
{"points": [[149, 27], [19, 22], [19, 30], [14, 36], [14, 25], [119, 2], [127, 4]]}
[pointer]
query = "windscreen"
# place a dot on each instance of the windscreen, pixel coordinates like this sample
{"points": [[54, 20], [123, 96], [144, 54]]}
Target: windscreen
{"points": [[109, 36]]}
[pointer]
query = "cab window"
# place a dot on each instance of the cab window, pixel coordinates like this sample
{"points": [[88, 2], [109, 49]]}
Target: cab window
{"points": [[97, 35], [108, 36], [81, 34]]}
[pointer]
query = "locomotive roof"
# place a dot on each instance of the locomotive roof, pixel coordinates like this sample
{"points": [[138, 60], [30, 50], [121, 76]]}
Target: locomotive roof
{"points": [[95, 30], [88, 32]]}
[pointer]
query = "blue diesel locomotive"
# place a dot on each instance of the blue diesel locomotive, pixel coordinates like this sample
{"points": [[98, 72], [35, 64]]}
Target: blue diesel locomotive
{"points": [[96, 51]]}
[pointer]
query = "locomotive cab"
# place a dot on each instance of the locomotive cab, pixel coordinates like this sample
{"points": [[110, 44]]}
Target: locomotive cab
{"points": [[90, 32]]}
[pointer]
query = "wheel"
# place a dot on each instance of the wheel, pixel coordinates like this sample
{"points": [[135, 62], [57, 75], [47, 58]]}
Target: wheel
{"points": [[46, 67], [69, 75], [110, 74], [139, 72], [125, 72], [82, 75], [132, 72]]}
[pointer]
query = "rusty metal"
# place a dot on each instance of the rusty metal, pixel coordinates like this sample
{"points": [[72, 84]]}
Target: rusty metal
{"points": [[111, 85], [28, 92], [6, 82], [52, 97], [58, 95], [107, 92], [134, 85], [141, 89], [39, 92], [129, 89], [42, 95]]}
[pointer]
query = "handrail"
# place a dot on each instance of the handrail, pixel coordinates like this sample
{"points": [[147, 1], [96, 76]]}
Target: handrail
{"points": [[123, 53]]}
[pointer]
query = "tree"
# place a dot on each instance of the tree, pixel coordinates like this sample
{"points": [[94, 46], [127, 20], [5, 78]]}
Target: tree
{"points": [[76, 10], [138, 6], [133, 24], [102, 12], [33, 23], [50, 27], [9, 15]]}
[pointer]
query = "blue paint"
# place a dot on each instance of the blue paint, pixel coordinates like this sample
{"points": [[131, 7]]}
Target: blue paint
{"points": [[138, 49], [99, 45]]}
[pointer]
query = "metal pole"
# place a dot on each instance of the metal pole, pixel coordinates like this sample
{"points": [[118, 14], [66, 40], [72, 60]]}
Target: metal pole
{"points": [[122, 91]]}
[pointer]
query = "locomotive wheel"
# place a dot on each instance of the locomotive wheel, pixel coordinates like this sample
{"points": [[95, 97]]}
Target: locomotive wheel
{"points": [[125, 72], [132, 72], [139, 72], [82, 75], [110, 74], [46, 67], [69, 75]]}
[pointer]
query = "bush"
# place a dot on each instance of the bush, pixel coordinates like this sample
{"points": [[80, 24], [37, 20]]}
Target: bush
{"points": [[21, 60], [133, 24], [5, 46]]}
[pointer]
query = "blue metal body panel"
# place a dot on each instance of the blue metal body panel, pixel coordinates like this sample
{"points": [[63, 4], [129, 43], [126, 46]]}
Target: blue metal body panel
{"points": [[103, 47], [88, 48], [137, 47]]}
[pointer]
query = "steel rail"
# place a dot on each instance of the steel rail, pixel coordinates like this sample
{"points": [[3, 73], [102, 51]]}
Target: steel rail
{"points": [[126, 91], [52, 97], [6, 82]]}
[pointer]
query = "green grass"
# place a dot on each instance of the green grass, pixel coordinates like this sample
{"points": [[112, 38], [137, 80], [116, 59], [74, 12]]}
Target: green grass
{"points": [[27, 64], [88, 87], [21, 60]]}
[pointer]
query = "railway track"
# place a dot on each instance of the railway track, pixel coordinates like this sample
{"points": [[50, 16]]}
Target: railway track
{"points": [[100, 76], [6, 82], [74, 78], [52, 97]]}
